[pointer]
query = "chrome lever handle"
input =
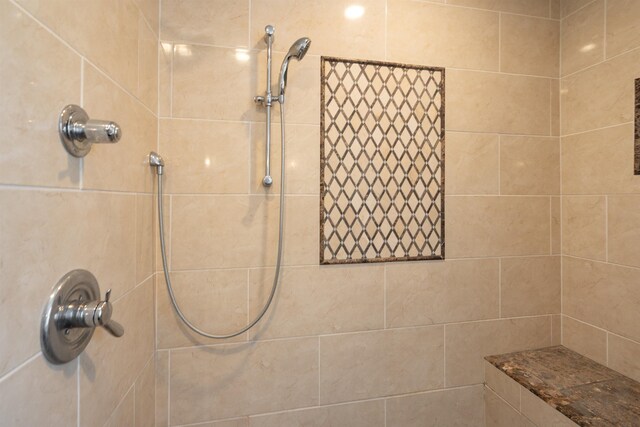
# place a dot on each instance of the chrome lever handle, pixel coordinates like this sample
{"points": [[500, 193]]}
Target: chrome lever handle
{"points": [[102, 317]]}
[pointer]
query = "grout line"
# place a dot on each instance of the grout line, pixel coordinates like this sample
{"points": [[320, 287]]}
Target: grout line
{"points": [[500, 288], [319, 373], [444, 355], [499, 165], [607, 348], [597, 129], [499, 41], [551, 225], [611, 58], [385, 412], [577, 10], [169, 387], [384, 297], [604, 30], [606, 228]]}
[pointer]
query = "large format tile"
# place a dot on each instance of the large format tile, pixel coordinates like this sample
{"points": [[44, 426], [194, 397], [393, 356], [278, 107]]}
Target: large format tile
{"points": [[584, 226], [529, 165], [431, 34], [360, 414], [208, 383], [497, 226], [584, 339], [501, 103], [623, 356], [523, 7], [583, 38], [530, 286], [40, 394], [217, 22], [457, 407], [39, 248], [145, 395], [325, 23], [600, 96], [472, 163], [499, 413], [622, 26], [529, 45], [440, 292], [623, 229], [603, 295], [124, 414], [39, 77], [467, 344], [381, 363], [322, 300]]}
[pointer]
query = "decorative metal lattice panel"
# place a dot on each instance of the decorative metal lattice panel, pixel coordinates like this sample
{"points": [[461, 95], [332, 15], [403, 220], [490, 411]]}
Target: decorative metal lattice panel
{"points": [[382, 162]]}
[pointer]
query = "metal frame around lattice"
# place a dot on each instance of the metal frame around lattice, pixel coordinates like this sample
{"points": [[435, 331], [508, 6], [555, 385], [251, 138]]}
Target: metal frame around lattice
{"points": [[323, 162]]}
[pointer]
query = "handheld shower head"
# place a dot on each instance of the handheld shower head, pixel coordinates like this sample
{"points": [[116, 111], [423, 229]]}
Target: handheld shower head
{"points": [[297, 51]]}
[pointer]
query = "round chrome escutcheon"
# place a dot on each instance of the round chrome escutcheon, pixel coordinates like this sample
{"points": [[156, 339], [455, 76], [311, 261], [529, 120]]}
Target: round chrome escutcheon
{"points": [[60, 344]]}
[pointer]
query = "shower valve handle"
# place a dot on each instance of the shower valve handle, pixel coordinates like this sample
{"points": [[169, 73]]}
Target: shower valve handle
{"points": [[91, 315]]}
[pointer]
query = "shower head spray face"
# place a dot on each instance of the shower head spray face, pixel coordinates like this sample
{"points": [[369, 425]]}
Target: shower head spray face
{"points": [[297, 51]]}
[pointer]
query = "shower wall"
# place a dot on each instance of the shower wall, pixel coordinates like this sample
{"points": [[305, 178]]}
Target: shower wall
{"points": [[357, 345], [58, 213], [601, 196]]}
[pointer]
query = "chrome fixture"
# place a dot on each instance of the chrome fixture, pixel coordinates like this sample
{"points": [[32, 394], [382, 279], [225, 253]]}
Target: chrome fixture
{"points": [[78, 132], [71, 315], [297, 51]]}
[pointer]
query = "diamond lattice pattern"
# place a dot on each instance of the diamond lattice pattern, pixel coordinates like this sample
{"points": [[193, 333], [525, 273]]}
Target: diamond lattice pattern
{"points": [[382, 162]]}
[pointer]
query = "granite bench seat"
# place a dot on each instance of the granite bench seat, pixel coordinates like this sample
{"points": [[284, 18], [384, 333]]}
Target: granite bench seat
{"points": [[555, 386]]}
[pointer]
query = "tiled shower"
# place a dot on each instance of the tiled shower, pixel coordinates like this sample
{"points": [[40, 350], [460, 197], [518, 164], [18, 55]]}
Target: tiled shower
{"points": [[542, 210]]}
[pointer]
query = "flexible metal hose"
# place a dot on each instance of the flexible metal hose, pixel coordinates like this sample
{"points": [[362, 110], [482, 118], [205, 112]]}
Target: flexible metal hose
{"points": [[274, 287]]}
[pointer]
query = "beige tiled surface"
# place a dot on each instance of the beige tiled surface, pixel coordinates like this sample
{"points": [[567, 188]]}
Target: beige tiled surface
{"points": [[568, 7], [124, 414], [498, 413], [583, 38], [472, 163], [584, 226], [623, 356], [529, 45], [462, 406], [541, 413], [253, 378], [417, 33], [503, 385], [145, 395], [585, 339], [441, 292], [360, 414], [623, 234], [520, 161], [523, 7], [497, 226], [530, 286], [381, 363], [622, 26]]}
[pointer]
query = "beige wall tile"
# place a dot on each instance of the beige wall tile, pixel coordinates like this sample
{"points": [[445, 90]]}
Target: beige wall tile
{"points": [[124, 414], [555, 9], [530, 286], [584, 226], [600, 96], [360, 414], [503, 385], [463, 406], [439, 292], [145, 395], [39, 394], [497, 226], [556, 329], [568, 7], [249, 238], [585, 339], [622, 26], [165, 75], [147, 88], [541, 413], [236, 422], [205, 156], [623, 216], [151, 11], [109, 365], [302, 171], [438, 35], [623, 356], [503, 103], [301, 232], [214, 301], [381, 363], [556, 231], [604, 151], [472, 161], [529, 45], [217, 22], [43, 241], [555, 106], [145, 236], [85, 31], [583, 38], [162, 388], [323, 300], [256, 378], [39, 77], [104, 100], [524, 7], [468, 343], [498, 413], [529, 165], [297, 18], [603, 295], [213, 83]]}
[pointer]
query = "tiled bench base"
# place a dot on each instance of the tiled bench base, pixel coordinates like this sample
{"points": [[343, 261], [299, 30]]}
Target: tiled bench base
{"points": [[557, 387]]}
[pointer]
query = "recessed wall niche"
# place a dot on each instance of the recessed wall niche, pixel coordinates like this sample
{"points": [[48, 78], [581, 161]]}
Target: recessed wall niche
{"points": [[382, 162]]}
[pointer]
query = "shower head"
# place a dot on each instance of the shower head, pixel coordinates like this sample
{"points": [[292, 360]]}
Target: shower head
{"points": [[297, 51]]}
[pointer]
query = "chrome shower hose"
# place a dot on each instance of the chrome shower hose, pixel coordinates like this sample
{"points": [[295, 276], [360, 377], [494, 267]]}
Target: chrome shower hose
{"points": [[274, 287]]}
